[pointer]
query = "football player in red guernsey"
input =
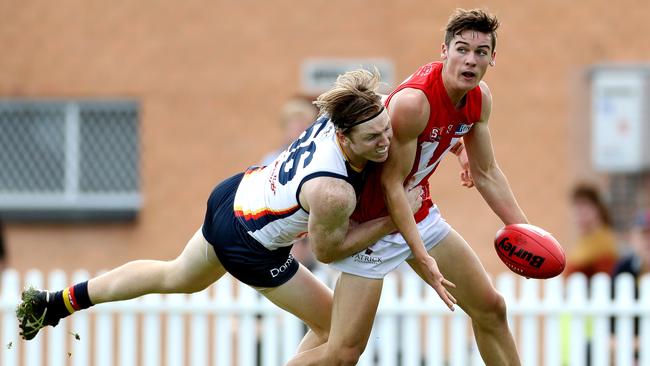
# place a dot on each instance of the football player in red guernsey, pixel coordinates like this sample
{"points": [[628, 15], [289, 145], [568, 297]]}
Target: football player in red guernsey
{"points": [[437, 106]]}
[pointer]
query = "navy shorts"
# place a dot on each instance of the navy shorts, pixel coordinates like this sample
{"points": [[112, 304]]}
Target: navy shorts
{"points": [[240, 254]]}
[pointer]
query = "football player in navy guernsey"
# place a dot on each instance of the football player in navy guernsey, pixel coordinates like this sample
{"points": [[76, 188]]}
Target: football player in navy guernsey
{"points": [[253, 218]]}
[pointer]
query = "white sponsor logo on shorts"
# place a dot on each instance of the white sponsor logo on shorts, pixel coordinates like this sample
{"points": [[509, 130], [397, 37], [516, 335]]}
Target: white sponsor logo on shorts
{"points": [[276, 271]]}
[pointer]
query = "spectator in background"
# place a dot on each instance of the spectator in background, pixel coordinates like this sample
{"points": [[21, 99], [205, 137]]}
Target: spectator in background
{"points": [[636, 263], [595, 250], [297, 114]]}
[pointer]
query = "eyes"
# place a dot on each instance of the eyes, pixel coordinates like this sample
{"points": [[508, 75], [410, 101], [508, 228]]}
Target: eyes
{"points": [[482, 52], [375, 136]]}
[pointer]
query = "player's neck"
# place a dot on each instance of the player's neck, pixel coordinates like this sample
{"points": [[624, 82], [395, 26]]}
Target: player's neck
{"points": [[357, 163], [456, 95]]}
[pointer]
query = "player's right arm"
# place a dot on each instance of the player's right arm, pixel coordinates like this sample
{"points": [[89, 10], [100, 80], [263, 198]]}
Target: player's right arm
{"points": [[488, 177], [330, 202]]}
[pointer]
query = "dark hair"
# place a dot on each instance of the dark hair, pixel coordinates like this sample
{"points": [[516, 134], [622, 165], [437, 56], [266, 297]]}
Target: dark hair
{"points": [[475, 19], [588, 193], [352, 99]]}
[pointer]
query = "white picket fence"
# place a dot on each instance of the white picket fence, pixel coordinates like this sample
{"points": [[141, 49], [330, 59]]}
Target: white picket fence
{"points": [[232, 325]]}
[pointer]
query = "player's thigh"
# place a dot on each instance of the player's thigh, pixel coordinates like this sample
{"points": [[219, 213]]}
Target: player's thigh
{"points": [[306, 297], [355, 306], [460, 265], [197, 264]]}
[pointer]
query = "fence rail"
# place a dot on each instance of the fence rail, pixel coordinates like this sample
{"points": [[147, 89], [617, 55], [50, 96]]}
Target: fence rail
{"points": [[228, 325]]}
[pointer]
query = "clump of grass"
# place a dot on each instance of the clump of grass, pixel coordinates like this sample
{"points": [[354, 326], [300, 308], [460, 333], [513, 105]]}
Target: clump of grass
{"points": [[25, 311]]}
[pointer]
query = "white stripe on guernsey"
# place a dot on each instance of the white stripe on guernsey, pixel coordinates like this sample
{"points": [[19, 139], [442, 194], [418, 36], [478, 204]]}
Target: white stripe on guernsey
{"points": [[427, 152]]}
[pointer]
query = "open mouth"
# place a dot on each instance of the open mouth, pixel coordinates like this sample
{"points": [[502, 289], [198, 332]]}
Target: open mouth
{"points": [[468, 74]]}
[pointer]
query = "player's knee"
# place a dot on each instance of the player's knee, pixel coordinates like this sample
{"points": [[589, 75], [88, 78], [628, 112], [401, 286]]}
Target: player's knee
{"points": [[492, 312], [345, 356]]}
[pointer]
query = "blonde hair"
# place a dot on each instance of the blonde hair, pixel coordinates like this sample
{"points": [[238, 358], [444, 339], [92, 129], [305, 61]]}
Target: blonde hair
{"points": [[352, 99]]}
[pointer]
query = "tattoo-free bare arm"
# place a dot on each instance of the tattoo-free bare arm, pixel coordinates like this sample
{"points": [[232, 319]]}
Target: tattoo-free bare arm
{"points": [[486, 174], [331, 202], [409, 112]]}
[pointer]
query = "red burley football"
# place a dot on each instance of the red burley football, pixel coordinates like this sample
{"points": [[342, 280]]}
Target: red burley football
{"points": [[529, 251]]}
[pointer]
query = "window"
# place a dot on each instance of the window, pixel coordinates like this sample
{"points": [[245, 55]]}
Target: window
{"points": [[69, 159]]}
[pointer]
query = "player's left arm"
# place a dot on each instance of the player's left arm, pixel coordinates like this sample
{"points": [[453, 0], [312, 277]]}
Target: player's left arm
{"points": [[409, 112], [486, 174]]}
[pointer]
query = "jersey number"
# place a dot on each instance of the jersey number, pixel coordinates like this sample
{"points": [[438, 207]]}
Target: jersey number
{"points": [[305, 153], [290, 166]]}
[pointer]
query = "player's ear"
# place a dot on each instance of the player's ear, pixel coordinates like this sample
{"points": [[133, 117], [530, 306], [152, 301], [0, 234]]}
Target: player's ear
{"points": [[493, 61], [443, 51], [342, 137]]}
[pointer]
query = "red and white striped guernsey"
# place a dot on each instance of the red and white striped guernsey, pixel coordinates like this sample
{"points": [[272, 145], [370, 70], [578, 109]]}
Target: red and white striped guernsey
{"points": [[446, 125]]}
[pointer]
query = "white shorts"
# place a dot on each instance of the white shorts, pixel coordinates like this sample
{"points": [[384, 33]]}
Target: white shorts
{"points": [[391, 251]]}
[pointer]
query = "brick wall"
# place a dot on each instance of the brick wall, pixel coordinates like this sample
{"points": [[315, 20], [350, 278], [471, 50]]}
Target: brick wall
{"points": [[211, 77]]}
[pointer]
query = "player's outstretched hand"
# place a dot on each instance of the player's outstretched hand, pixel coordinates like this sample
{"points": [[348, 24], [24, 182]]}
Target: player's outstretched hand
{"points": [[431, 274]]}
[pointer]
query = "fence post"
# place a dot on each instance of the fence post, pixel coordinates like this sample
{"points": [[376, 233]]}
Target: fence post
{"points": [[199, 330], [387, 326], [644, 331], [56, 340], [600, 301], [104, 345], [410, 339], [553, 290], [247, 333], [435, 351], [127, 332], [10, 344], [458, 339], [624, 322], [529, 324], [223, 323], [151, 351], [269, 336], [175, 343], [577, 298], [293, 332], [33, 353], [80, 353]]}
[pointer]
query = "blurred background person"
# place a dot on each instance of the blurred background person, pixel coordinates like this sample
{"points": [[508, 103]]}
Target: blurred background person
{"points": [[296, 115], [637, 262], [595, 249]]}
